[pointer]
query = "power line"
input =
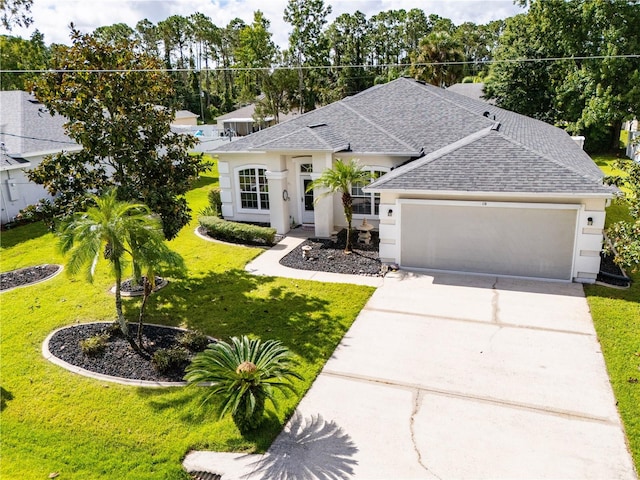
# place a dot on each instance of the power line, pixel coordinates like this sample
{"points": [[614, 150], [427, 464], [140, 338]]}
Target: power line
{"points": [[324, 67], [37, 138]]}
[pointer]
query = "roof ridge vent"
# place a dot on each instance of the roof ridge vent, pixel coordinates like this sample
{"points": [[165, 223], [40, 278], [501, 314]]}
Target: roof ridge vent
{"points": [[316, 125]]}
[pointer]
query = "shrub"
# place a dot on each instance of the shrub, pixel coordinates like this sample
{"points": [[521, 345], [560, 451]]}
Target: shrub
{"points": [[113, 330], [95, 344], [214, 209], [215, 202], [193, 340], [237, 232], [208, 211], [244, 373], [164, 359]]}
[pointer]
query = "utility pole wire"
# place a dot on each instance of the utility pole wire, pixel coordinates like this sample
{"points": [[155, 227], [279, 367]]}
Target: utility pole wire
{"points": [[326, 67]]}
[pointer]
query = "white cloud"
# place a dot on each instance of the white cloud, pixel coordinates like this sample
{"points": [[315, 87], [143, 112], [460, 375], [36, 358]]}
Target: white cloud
{"points": [[52, 17]]}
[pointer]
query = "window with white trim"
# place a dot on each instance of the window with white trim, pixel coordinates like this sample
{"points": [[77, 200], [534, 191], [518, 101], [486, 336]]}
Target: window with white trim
{"points": [[367, 203], [254, 189]]}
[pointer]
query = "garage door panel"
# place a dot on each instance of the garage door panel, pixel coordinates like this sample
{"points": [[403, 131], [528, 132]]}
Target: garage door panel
{"points": [[530, 242]]}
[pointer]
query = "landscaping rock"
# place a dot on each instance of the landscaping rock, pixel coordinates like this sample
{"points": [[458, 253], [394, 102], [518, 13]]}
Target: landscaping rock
{"points": [[26, 276], [326, 255], [119, 359]]}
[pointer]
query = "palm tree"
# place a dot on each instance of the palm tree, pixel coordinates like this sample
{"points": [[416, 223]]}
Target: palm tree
{"points": [[150, 254], [113, 228], [244, 373], [341, 178], [438, 59]]}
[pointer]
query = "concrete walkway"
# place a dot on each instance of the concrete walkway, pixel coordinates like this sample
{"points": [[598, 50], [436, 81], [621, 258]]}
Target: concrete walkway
{"points": [[450, 376]]}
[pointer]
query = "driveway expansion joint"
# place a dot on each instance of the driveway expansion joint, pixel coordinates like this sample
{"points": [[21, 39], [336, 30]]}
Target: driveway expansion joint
{"points": [[568, 414], [479, 322]]}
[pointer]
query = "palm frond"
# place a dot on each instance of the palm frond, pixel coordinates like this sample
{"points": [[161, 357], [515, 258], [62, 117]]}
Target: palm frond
{"points": [[244, 390]]}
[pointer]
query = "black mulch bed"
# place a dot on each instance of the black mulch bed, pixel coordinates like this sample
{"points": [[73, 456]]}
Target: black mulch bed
{"points": [[129, 287], [328, 256], [610, 273], [119, 359], [26, 276]]}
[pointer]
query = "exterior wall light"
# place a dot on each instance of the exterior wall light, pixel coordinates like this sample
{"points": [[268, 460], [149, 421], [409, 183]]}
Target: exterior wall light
{"points": [[390, 213], [590, 221]]}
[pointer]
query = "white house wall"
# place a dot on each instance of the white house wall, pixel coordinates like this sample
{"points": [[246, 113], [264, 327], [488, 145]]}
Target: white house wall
{"points": [[375, 162], [228, 166], [17, 192], [283, 173]]}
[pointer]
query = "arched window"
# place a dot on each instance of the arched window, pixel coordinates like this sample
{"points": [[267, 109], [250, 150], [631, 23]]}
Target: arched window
{"points": [[254, 189], [367, 204]]}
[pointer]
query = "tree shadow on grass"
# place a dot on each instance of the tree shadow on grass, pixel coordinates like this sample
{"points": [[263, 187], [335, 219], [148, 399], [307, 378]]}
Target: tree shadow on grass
{"points": [[220, 304], [188, 400], [203, 181], [5, 396], [23, 233]]}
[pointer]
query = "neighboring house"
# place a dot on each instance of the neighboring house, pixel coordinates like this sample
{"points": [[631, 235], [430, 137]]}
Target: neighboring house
{"points": [[28, 133], [241, 122], [633, 139], [471, 90], [465, 186], [185, 117]]}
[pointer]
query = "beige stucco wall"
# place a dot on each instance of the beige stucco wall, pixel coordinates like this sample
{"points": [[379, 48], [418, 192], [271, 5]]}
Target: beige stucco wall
{"points": [[185, 121]]}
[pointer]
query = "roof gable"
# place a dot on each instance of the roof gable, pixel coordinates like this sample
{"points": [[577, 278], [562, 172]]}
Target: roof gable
{"points": [[488, 162]]}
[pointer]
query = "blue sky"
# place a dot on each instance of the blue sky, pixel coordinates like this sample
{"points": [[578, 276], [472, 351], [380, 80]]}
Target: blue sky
{"points": [[52, 17]]}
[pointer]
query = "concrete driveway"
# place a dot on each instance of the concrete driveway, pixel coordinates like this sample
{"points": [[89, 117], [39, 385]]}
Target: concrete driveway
{"points": [[454, 377]]}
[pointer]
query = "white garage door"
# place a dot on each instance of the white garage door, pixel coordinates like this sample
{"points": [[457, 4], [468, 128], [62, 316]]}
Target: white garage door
{"points": [[505, 239]]}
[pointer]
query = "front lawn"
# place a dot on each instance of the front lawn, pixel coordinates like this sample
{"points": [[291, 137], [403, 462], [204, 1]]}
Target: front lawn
{"points": [[616, 316], [56, 421]]}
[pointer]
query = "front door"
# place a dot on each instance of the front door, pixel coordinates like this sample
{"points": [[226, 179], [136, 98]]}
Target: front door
{"points": [[307, 200]]}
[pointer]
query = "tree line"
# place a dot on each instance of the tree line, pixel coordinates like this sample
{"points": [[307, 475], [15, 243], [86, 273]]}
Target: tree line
{"points": [[591, 89], [216, 67]]}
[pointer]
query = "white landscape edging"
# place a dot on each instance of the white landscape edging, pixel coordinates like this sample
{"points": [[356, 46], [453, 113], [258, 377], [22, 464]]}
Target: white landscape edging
{"points": [[46, 353], [55, 274]]}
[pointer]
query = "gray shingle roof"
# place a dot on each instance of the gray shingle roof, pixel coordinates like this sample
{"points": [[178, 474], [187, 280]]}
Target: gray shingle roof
{"points": [[472, 90], [27, 127], [509, 169], [460, 138], [10, 163]]}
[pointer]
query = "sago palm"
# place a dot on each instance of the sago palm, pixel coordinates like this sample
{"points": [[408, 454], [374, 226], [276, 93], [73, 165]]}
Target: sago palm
{"points": [[244, 374], [110, 227], [340, 179]]}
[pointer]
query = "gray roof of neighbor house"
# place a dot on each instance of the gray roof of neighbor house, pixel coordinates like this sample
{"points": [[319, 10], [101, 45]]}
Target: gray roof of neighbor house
{"points": [[471, 90], [27, 127], [461, 144], [245, 114]]}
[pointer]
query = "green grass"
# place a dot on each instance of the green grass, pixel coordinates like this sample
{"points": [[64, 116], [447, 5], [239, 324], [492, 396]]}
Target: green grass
{"points": [[606, 163], [616, 316], [55, 421], [624, 138]]}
